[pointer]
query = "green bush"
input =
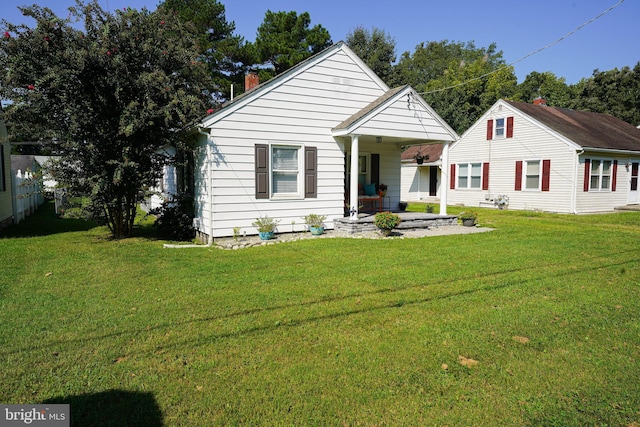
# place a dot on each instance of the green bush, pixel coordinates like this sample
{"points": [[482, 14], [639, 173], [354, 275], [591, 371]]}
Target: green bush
{"points": [[175, 219], [387, 221]]}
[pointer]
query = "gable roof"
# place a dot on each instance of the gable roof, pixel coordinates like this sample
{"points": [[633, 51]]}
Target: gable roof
{"points": [[379, 117], [368, 109], [242, 99], [586, 129]]}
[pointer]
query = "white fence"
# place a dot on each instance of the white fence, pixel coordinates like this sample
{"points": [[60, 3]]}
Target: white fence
{"points": [[27, 195]]}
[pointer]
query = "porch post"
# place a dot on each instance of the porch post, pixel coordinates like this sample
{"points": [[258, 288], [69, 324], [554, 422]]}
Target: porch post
{"points": [[353, 187], [444, 184]]}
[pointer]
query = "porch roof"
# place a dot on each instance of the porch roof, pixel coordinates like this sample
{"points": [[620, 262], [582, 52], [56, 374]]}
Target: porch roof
{"points": [[399, 115]]}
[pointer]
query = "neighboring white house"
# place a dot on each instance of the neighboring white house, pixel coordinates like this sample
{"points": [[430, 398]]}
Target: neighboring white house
{"points": [[303, 142], [532, 156], [167, 188], [422, 181]]}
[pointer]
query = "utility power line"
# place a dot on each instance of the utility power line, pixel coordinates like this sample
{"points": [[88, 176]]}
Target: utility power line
{"points": [[575, 30]]}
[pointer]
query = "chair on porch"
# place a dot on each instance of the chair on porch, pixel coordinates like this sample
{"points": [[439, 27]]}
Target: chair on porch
{"points": [[369, 194]]}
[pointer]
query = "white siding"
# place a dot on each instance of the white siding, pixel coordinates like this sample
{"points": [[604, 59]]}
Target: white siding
{"points": [[529, 142], [301, 111], [415, 183], [394, 121], [603, 201]]}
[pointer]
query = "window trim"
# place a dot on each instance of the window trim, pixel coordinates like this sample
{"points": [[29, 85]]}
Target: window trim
{"points": [[525, 164], [497, 128], [469, 176], [299, 193], [611, 175]]}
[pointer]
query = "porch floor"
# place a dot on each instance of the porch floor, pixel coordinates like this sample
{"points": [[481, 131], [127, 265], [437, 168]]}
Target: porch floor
{"points": [[410, 220]]}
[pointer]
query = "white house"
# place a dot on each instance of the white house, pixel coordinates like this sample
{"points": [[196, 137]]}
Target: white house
{"points": [[307, 141], [532, 156], [421, 180]]}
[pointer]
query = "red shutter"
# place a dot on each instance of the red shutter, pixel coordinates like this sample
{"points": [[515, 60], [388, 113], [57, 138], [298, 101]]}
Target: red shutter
{"points": [[510, 127], [262, 171], [546, 172], [489, 129], [518, 186], [485, 176], [452, 177], [614, 178], [587, 170]]}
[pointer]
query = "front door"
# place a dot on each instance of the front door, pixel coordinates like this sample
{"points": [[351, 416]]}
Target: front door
{"points": [[633, 189]]}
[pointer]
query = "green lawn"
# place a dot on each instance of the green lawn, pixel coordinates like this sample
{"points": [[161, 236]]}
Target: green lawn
{"points": [[536, 323]]}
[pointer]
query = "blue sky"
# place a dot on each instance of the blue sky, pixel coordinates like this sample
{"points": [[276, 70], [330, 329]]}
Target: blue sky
{"points": [[517, 27]]}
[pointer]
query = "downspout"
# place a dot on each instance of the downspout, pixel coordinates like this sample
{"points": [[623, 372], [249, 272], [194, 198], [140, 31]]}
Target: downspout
{"points": [[574, 191]]}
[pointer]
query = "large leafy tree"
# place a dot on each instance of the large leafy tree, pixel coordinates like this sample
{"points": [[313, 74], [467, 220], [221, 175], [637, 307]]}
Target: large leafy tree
{"points": [[615, 92], [376, 48], [459, 80], [552, 89], [110, 95], [285, 39], [226, 54]]}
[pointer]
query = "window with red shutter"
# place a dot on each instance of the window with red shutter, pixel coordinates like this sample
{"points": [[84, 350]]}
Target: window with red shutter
{"points": [[587, 169], [546, 173], [485, 176], [518, 186], [489, 129], [510, 127], [452, 177]]}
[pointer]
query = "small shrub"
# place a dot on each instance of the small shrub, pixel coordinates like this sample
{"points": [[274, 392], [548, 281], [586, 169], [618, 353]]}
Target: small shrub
{"points": [[315, 220], [265, 224], [175, 219], [386, 221]]}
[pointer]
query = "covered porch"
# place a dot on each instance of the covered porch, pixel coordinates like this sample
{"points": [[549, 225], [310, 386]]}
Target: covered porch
{"points": [[373, 140]]}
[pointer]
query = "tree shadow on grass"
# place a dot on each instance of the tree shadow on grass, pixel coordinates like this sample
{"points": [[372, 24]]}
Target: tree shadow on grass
{"points": [[112, 408], [45, 222]]}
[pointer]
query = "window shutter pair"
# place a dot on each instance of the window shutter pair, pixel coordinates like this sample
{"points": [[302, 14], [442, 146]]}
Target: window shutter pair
{"points": [[546, 174], [509, 128], [262, 171], [587, 175], [485, 176]]}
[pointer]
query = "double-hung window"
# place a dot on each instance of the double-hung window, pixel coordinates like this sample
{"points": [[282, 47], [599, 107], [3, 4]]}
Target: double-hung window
{"points": [[500, 128], [532, 175], [469, 175], [285, 171], [600, 175]]}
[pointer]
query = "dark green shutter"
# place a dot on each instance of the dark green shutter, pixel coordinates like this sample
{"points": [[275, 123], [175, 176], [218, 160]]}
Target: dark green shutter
{"points": [[310, 172], [375, 170], [262, 171]]}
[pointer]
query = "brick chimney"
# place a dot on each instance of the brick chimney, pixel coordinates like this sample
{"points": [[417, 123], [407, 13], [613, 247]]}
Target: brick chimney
{"points": [[539, 101], [251, 80]]}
